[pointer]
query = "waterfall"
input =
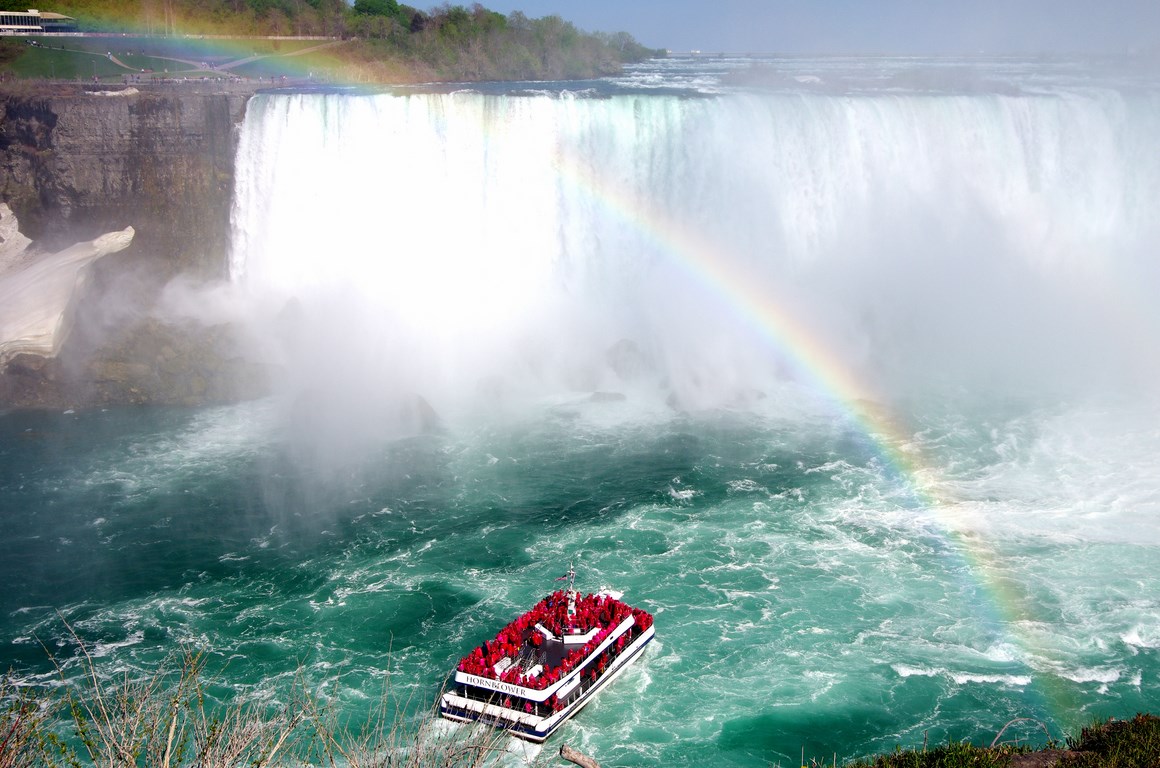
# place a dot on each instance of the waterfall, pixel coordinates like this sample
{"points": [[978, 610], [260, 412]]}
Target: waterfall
{"points": [[630, 312], [458, 244]]}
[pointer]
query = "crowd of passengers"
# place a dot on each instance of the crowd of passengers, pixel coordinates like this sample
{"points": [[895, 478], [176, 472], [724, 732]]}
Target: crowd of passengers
{"points": [[551, 613]]}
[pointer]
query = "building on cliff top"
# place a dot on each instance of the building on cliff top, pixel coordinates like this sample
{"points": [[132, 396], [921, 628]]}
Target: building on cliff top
{"points": [[34, 22]]}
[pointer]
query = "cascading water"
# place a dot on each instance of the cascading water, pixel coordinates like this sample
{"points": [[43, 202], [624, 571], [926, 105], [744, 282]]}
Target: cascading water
{"points": [[439, 242], [843, 369]]}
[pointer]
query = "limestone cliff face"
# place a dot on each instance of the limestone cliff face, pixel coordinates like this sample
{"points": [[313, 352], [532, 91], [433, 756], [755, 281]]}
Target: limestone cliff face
{"points": [[76, 164]]}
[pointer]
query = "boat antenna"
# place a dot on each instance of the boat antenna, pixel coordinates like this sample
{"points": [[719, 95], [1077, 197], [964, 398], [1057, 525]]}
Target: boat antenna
{"points": [[571, 589]]}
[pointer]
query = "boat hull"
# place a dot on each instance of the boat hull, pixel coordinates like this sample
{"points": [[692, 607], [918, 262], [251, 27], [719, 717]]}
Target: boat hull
{"points": [[531, 727]]}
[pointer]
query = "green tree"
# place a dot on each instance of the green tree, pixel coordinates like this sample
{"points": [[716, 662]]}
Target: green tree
{"points": [[388, 8]]}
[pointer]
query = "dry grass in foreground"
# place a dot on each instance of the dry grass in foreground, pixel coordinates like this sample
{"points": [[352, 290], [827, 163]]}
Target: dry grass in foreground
{"points": [[166, 720]]}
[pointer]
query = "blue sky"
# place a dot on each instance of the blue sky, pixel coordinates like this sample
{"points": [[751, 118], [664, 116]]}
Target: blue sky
{"points": [[867, 26]]}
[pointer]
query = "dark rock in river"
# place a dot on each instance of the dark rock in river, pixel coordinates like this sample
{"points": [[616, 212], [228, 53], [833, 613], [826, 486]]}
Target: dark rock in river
{"points": [[160, 362]]}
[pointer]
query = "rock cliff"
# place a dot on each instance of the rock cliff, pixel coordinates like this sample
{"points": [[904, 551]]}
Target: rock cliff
{"points": [[75, 164]]}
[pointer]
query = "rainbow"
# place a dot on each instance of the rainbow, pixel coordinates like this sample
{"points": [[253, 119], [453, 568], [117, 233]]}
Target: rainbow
{"points": [[1007, 610]]}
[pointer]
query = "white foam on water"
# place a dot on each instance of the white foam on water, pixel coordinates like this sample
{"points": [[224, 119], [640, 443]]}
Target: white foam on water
{"points": [[1010, 680], [1141, 636], [905, 670], [1091, 675]]}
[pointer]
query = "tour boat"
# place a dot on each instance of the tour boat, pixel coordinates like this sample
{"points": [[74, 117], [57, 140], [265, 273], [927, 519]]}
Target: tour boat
{"points": [[546, 665]]}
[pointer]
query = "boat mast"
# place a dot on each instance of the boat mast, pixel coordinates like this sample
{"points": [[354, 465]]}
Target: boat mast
{"points": [[571, 593]]}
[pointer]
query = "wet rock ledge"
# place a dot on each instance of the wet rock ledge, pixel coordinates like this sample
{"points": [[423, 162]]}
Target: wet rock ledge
{"points": [[76, 164]]}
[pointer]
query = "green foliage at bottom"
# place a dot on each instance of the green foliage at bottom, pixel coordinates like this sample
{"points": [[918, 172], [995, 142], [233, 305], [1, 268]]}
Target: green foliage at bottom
{"points": [[1131, 743], [956, 754]]}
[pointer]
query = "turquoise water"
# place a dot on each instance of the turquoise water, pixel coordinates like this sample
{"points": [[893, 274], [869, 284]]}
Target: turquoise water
{"points": [[804, 598], [843, 368]]}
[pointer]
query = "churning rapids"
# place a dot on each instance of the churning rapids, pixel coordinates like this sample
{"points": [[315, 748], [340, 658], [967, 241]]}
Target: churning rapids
{"points": [[845, 369]]}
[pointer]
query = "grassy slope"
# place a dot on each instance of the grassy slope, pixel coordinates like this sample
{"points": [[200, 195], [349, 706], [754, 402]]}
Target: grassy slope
{"points": [[347, 61], [78, 57]]}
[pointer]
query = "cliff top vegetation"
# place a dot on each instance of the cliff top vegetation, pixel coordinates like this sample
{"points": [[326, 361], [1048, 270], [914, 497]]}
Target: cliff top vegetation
{"points": [[371, 41]]}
